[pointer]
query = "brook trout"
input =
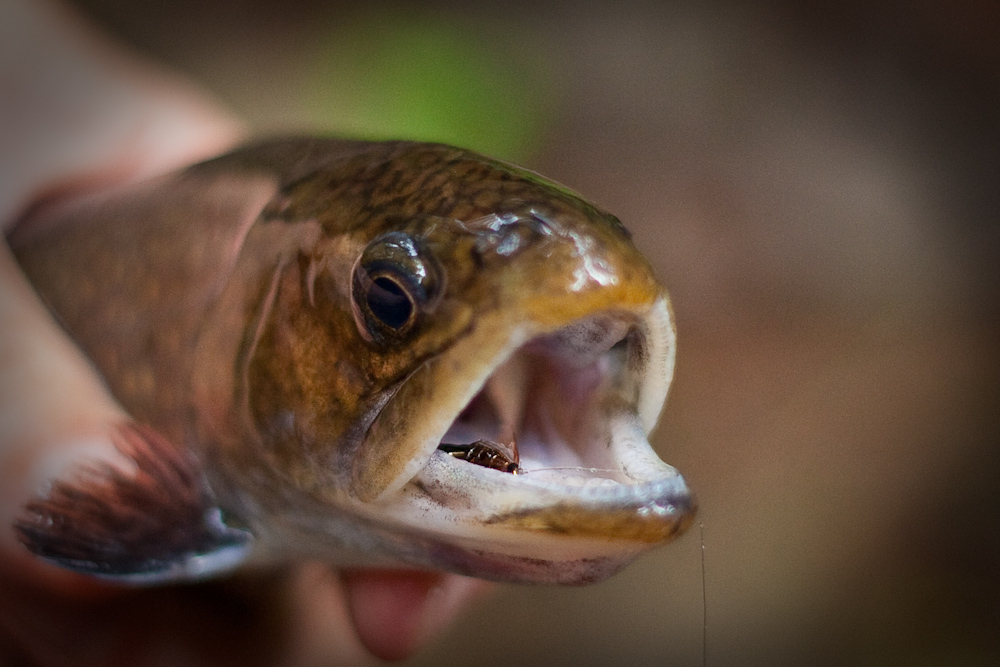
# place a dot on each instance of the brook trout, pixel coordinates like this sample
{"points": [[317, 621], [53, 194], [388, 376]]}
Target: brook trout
{"points": [[367, 353]]}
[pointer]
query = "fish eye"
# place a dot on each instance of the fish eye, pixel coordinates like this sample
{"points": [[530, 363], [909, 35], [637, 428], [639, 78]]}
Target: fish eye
{"points": [[389, 302], [395, 280]]}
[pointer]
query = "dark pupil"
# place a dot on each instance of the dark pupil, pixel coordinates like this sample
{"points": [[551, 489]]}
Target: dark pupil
{"points": [[389, 303]]}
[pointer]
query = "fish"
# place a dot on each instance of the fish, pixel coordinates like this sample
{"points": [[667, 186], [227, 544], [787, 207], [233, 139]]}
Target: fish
{"points": [[368, 353]]}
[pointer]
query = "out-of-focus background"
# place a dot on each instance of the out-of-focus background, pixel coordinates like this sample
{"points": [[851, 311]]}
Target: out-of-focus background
{"points": [[818, 184]]}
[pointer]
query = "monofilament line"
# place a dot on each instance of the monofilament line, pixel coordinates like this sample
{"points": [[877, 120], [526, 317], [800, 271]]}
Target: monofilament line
{"points": [[704, 599]]}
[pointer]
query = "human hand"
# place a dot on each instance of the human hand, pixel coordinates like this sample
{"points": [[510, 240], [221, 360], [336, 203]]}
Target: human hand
{"points": [[80, 114]]}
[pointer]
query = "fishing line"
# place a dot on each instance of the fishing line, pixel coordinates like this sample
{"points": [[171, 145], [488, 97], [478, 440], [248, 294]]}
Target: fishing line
{"points": [[576, 468], [704, 599], [701, 537]]}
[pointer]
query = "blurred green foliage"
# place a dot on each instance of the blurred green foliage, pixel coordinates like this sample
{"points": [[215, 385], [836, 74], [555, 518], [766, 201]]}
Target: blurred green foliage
{"points": [[432, 77]]}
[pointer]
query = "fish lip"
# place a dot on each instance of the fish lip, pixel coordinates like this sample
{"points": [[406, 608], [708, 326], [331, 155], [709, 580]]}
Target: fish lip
{"points": [[665, 495], [654, 492]]}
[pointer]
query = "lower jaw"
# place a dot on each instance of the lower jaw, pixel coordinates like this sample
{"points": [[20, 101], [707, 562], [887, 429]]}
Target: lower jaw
{"points": [[526, 569], [554, 545]]}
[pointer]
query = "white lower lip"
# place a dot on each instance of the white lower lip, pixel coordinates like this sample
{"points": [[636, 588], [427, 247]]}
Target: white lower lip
{"points": [[639, 478]]}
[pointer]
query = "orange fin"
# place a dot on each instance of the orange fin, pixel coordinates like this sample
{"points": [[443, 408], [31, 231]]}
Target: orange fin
{"points": [[158, 524]]}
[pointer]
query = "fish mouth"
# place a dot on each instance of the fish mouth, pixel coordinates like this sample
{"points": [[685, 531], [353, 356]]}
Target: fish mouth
{"points": [[553, 447], [550, 410]]}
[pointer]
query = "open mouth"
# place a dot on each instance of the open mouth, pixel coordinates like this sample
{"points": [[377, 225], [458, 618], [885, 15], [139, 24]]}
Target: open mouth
{"points": [[555, 439], [536, 466], [546, 410], [548, 442]]}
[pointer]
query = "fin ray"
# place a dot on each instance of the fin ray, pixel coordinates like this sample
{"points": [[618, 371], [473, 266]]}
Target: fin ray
{"points": [[158, 524]]}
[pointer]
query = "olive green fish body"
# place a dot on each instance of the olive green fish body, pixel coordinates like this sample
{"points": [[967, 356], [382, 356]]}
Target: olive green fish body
{"points": [[317, 333]]}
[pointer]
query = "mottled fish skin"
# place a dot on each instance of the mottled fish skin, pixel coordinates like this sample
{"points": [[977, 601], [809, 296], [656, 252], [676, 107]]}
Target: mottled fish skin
{"points": [[221, 305]]}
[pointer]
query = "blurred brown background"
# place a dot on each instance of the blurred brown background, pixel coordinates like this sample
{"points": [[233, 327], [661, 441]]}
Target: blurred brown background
{"points": [[818, 187]]}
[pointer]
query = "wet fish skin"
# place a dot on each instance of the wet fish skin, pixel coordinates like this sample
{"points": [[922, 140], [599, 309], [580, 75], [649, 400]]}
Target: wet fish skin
{"points": [[219, 304]]}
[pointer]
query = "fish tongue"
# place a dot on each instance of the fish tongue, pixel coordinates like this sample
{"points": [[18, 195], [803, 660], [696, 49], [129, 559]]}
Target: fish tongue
{"points": [[396, 611]]}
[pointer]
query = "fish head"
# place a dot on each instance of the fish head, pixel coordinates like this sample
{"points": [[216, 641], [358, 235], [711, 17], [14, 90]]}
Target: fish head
{"points": [[461, 357]]}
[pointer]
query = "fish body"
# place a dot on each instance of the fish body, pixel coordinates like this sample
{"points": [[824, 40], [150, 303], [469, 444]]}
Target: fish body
{"points": [[365, 352]]}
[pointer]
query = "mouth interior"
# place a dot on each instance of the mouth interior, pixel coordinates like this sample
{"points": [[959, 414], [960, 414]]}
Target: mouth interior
{"points": [[546, 410]]}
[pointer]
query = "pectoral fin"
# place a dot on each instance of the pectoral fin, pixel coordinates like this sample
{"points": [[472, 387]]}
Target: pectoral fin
{"points": [[158, 523]]}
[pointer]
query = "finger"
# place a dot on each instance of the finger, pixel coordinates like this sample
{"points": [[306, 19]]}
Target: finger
{"points": [[395, 612]]}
